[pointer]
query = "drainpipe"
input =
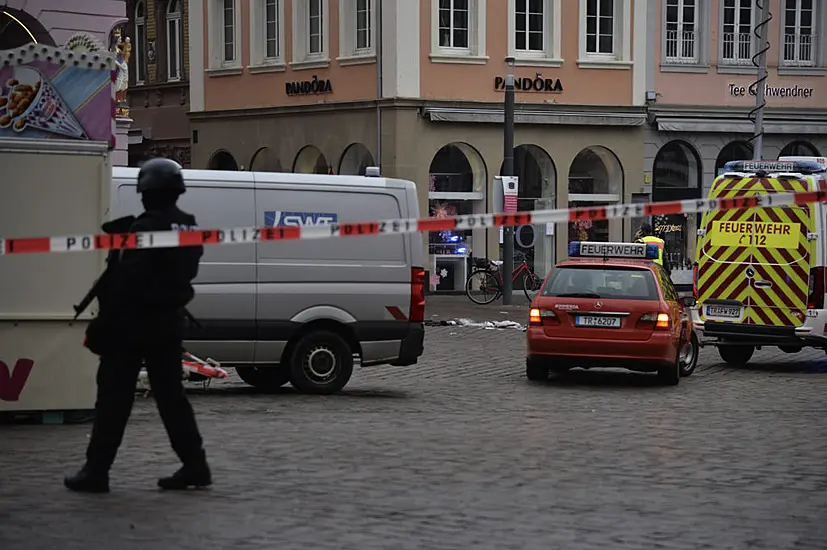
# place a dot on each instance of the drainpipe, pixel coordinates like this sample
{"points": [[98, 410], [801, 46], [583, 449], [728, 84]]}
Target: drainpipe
{"points": [[379, 84]]}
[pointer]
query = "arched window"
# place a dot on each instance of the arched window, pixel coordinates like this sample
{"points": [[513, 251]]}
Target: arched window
{"points": [[734, 150], [799, 149], [595, 179], [140, 42], [174, 40]]}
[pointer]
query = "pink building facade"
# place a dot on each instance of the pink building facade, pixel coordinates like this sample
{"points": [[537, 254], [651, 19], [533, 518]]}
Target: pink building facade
{"points": [[698, 78]]}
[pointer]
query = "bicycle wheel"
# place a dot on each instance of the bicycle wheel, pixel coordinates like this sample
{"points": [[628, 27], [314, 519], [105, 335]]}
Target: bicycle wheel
{"points": [[482, 287], [531, 285]]}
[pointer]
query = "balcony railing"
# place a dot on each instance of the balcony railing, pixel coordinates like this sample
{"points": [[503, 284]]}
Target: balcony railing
{"points": [[800, 50], [681, 47], [736, 48]]}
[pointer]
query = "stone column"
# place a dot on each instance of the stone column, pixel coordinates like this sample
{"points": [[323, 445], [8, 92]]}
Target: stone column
{"points": [[119, 156]]}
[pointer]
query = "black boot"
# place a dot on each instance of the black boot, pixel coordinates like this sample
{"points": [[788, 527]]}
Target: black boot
{"points": [[87, 480], [197, 476]]}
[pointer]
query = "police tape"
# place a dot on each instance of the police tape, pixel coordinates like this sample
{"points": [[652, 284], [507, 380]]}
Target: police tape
{"points": [[246, 235]]}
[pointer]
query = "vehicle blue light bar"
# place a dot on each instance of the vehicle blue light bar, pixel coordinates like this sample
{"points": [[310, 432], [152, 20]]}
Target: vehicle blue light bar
{"points": [[636, 251], [773, 166]]}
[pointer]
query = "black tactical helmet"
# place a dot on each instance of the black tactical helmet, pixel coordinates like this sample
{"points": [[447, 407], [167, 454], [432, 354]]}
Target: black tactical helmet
{"points": [[160, 174]]}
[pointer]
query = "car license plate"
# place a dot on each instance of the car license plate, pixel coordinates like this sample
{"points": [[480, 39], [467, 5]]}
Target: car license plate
{"points": [[723, 311], [596, 321]]}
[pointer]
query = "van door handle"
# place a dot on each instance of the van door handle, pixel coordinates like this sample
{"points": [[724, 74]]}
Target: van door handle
{"points": [[763, 284]]}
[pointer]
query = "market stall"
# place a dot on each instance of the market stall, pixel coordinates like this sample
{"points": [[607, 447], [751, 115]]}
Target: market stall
{"points": [[56, 131]]}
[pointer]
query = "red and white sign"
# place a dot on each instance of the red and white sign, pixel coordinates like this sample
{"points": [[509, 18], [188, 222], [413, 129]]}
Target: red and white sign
{"points": [[511, 187]]}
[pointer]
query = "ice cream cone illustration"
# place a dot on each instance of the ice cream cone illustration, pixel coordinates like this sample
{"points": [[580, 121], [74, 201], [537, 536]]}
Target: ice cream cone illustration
{"points": [[32, 102]]}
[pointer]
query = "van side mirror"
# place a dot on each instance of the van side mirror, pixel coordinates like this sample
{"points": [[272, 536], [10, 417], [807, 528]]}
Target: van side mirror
{"points": [[687, 301]]}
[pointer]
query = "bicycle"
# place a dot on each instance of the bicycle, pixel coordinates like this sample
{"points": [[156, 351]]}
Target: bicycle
{"points": [[485, 284]]}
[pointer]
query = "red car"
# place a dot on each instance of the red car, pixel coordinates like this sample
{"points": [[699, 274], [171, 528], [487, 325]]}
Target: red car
{"points": [[610, 305]]}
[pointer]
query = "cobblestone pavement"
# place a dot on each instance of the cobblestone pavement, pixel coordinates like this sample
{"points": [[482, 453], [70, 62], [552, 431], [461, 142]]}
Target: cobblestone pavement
{"points": [[459, 452]]}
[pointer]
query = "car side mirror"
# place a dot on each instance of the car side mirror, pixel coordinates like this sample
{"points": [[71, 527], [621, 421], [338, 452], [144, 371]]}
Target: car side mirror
{"points": [[687, 301]]}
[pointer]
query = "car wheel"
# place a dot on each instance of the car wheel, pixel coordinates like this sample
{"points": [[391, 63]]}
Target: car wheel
{"points": [[265, 378], [689, 355], [670, 375], [737, 356], [321, 363], [535, 370]]}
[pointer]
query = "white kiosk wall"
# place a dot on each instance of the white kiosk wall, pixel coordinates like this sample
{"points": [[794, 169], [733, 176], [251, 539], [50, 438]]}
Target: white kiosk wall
{"points": [[48, 188]]}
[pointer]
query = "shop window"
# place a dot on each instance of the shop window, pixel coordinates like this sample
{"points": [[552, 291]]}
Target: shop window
{"points": [[536, 186], [451, 172], [356, 160], [677, 175], [799, 149], [311, 161], [595, 179], [455, 179], [734, 150], [265, 160], [222, 160]]}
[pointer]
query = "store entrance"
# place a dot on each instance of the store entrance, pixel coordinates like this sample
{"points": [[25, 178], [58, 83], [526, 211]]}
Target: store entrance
{"points": [[676, 175]]}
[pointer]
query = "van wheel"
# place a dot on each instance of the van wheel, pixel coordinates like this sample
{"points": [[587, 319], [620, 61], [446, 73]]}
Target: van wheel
{"points": [[689, 355], [736, 355], [265, 378], [321, 363], [670, 375]]}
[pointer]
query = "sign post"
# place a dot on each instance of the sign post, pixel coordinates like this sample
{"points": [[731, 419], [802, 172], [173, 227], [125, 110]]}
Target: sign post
{"points": [[760, 94], [508, 170]]}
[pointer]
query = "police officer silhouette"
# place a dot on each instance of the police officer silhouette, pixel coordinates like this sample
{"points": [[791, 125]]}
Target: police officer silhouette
{"points": [[140, 322]]}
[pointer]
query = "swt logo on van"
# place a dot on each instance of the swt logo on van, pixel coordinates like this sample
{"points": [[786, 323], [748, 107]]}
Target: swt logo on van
{"points": [[280, 218]]}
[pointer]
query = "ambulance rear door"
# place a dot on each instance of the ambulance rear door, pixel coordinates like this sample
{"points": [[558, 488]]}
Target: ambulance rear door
{"points": [[722, 287], [777, 271]]}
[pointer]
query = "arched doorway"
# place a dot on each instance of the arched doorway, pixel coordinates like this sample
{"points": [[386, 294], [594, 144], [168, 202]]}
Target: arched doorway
{"points": [[536, 191], [456, 181], [222, 160], [265, 160], [734, 150], [18, 28], [677, 174], [355, 160], [799, 148], [595, 179], [310, 161]]}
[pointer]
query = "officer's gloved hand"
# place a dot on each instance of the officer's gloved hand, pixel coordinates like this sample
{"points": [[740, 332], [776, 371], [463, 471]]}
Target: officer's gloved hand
{"points": [[121, 225]]}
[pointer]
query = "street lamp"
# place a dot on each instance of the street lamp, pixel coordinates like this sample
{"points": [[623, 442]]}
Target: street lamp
{"points": [[508, 170]]}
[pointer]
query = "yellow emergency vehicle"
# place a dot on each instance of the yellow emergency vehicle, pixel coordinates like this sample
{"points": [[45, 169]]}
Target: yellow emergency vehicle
{"points": [[760, 272]]}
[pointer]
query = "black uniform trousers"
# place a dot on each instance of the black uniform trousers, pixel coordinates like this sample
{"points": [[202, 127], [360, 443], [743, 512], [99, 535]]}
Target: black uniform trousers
{"points": [[117, 377]]}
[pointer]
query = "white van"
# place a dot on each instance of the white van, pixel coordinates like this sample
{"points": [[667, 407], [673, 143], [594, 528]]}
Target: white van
{"points": [[300, 311]]}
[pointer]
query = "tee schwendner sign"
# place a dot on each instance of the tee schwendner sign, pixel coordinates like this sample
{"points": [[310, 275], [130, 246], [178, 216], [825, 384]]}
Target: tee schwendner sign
{"points": [[794, 91]]}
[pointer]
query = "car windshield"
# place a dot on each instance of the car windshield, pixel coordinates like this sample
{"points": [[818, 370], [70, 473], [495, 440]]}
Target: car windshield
{"points": [[626, 283]]}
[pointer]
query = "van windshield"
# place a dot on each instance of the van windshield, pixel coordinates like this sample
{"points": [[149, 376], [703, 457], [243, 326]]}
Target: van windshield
{"points": [[623, 283]]}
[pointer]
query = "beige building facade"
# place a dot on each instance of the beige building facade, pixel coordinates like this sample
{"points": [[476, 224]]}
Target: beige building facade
{"points": [[415, 87]]}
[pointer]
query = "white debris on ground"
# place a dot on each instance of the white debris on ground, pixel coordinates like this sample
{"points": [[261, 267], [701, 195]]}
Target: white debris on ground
{"points": [[488, 325]]}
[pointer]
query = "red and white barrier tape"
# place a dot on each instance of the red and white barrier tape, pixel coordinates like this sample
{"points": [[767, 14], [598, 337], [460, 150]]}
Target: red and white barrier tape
{"points": [[242, 235]]}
